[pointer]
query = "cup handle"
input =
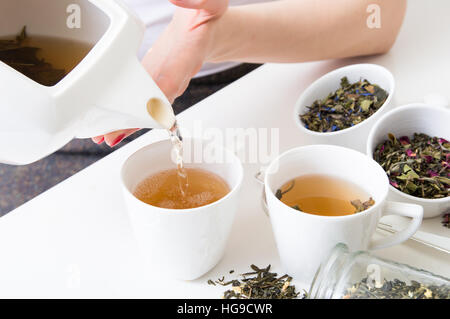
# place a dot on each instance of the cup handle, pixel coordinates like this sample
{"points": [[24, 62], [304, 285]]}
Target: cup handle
{"points": [[415, 212]]}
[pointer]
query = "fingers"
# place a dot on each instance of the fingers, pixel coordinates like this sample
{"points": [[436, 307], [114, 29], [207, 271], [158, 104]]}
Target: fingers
{"points": [[212, 6], [190, 4], [114, 138], [98, 139]]}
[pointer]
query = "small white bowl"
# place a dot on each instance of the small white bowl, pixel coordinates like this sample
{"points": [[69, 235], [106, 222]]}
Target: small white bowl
{"points": [[356, 136], [405, 121]]}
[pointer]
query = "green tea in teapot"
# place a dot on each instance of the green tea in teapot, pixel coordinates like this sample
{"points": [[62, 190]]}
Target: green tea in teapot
{"points": [[45, 60]]}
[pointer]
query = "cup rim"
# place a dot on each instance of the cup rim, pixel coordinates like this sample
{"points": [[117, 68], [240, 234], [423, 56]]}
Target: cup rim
{"points": [[184, 211], [318, 146], [323, 78], [370, 145]]}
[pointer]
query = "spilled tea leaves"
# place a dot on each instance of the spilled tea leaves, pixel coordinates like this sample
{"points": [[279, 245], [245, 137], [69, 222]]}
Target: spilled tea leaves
{"points": [[349, 105], [260, 283], [419, 167], [24, 59], [397, 289]]}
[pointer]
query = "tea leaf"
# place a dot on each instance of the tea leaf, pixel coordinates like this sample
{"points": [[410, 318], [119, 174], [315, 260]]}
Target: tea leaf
{"points": [[279, 193], [365, 105], [408, 173], [360, 206]]}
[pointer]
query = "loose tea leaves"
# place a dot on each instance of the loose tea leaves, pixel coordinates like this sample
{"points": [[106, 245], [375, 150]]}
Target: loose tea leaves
{"points": [[418, 167], [279, 193], [362, 206], [397, 289], [24, 59], [349, 105], [260, 283]]}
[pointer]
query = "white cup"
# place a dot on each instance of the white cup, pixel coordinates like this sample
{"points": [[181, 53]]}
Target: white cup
{"points": [[356, 136], [433, 120], [305, 240], [185, 243]]}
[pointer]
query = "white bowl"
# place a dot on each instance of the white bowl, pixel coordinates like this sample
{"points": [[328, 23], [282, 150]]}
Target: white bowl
{"points": [[356, 136], [405, 121]]}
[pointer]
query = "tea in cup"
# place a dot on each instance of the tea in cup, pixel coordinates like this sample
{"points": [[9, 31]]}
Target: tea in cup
{"points": [[164, 189]]}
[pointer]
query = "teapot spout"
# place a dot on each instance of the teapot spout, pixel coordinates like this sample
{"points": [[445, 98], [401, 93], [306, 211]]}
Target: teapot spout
{"points": [[128, 98], [161, 111]]}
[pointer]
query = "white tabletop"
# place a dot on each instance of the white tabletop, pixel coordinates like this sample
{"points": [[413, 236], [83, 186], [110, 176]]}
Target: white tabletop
{"points": [[75, 239]]}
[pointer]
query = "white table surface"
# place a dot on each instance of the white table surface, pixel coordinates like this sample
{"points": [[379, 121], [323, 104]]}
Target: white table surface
{"points": [[75, 239]]}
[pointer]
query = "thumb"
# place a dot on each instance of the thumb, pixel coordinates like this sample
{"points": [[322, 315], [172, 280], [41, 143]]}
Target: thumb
{"points": [[212, 6]]}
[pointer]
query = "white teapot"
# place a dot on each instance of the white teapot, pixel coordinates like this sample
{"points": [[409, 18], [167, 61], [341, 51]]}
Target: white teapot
{"points": [[107, 91]]}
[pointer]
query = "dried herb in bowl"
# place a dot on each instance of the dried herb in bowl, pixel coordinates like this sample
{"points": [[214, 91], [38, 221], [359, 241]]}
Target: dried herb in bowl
{"points": [[349, 105], [419, 166]]}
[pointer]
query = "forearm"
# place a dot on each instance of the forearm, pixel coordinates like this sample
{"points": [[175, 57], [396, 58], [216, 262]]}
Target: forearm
{"points": [[306, 30]]}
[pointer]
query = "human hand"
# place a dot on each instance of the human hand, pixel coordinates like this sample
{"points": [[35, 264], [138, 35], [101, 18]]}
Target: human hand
{"points": [[179, 53]]}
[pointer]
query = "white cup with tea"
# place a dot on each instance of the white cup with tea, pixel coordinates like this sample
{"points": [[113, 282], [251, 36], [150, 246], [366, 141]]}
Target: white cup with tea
{"points": [[305, 239], [185, 243]]}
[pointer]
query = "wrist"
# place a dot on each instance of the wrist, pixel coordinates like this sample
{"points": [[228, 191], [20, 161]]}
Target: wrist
{"points": [[221, 34]]}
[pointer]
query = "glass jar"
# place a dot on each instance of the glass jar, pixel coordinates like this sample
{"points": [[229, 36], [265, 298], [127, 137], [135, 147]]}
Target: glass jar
{"points": [[360, 275]]}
